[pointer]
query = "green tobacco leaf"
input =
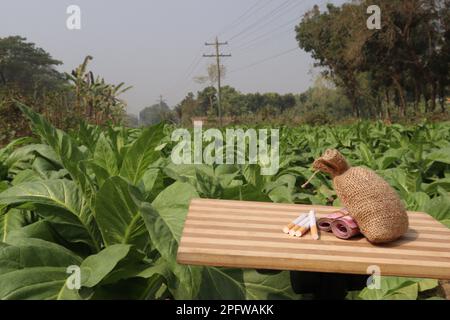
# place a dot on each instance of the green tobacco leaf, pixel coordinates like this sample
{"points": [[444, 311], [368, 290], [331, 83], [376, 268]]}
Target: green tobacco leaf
{"points": [[59, 200], [186, 172], [47, 170], [247, 193], [10, 221], [96, 267], [164, 220], [389, 157], [252, 174], [142, 153], [20, 158], [60, 193], [70, 227], [172, 206], [439, 207], [149, 179], [152, 183], [208, 186], [26, 175], [281, 194], [446, 222], [118, 216], [35, 269], [225, 174], [417, 201], [39, 230], [366, 155], [66, 149], [224, 283], [3, 186], [105, 156], [440, 155], [397, 288], [100, 173], [25, 253], [37, 283], [442, 183], [6, 150], [130, 289], [268, 286]]}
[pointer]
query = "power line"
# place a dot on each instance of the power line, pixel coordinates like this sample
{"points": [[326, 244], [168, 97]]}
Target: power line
{"points": [[254, 24], [263, 21], [244, 16], [199, 59], [192, 65], [268, 34], [264, 37], [273, 19], [186, 84], [264, 60]]}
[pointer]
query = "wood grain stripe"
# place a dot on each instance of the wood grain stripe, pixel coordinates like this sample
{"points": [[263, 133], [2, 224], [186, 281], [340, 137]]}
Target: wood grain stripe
{"points": [[238, 259], [292, 247], [249, 211], [206, 213], [406, 243], [225, 222]]}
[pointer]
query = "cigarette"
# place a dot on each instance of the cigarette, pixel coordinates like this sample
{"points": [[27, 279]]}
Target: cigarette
{"points": [[304, 227], [293, 230], [313, 225], [294, 223]]}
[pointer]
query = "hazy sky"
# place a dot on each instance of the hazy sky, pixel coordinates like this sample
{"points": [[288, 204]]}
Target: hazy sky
{"points": [[154, 45]]}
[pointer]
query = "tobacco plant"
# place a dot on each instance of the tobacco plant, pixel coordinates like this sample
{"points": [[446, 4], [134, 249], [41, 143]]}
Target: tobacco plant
{"points": [[110, 202]]}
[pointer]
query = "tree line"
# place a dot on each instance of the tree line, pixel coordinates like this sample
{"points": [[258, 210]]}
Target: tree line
{"points": [[401, 68], [235, 104]]}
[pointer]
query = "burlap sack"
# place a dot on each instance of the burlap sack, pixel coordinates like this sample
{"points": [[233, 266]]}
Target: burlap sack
{"points": [[370, 200]]}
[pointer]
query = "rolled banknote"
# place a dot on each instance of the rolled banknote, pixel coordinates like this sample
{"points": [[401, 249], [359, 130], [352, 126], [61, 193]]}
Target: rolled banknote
{"points": [[345, 227], [324, 223]]}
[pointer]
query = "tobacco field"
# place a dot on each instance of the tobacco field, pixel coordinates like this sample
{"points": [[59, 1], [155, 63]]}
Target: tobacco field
{"points": [[109, 200]]}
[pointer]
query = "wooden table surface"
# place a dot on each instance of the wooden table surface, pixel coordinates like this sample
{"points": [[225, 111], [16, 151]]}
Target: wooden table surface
{"points": [[247, 234]]}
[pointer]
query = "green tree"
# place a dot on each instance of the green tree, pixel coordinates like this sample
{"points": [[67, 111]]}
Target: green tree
{"points": [[27, 68], [401, 63], [154, 114]]}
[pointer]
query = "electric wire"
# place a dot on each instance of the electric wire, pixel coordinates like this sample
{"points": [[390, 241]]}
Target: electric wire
{"points": [[245, 15], [261, 19], [263, 60]]}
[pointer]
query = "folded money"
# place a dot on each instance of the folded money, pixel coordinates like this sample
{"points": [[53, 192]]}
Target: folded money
{"points": [[340, 223], [324, 223], [345, 227]]}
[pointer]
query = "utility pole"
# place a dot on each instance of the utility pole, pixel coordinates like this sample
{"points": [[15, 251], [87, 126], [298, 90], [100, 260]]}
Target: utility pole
{"points": [[218, 55], [161, 100]]}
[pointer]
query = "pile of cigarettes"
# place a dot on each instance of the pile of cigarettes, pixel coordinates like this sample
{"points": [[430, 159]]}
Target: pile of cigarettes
{"points": [[301, 225]]}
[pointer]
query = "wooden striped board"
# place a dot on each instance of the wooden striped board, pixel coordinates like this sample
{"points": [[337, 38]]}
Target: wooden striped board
{"points": [[247, 234]]}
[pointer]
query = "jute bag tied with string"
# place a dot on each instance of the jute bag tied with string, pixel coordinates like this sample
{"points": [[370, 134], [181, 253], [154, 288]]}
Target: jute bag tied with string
{"points": [[370, 200]]}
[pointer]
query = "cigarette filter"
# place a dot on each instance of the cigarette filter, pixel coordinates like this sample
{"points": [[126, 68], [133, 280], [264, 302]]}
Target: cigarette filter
{"points": [[304, 227], [298, 224], [313, 225], [294, 223]]}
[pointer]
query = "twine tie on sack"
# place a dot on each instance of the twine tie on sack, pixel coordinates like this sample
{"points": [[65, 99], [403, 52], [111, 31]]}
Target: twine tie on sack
{"points": [[310, 179]]}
